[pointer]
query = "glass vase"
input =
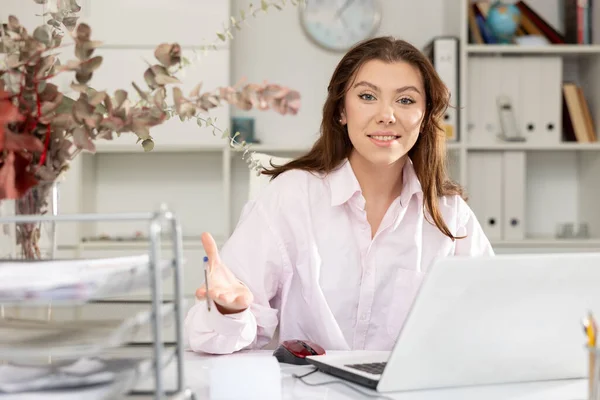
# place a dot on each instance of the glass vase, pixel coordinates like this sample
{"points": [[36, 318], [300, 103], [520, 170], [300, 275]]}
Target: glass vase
{"points": [[30, 240]]}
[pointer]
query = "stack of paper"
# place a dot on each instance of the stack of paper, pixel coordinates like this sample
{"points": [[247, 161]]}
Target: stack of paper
{"points": [[89, 378], [22, 339], [74, 280], [83, 372]]}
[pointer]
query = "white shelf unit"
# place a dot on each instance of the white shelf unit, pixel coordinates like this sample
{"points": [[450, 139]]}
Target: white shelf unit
{"points": [[206, 183], [552, 182]]}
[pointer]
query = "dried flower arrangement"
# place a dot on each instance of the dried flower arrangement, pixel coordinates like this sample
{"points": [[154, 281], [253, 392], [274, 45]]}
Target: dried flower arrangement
{"points": [[42, 130]]}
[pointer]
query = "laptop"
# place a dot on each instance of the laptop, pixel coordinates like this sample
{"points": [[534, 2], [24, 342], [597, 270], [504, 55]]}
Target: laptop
{"points": [[486, 320]]}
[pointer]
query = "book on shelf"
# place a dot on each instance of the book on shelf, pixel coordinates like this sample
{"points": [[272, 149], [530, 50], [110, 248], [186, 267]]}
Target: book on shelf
{"points": [[477, 20], [578, 125], [577, 21]]}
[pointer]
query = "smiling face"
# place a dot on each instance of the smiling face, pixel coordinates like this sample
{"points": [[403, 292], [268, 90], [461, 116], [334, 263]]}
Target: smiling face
{"points": [[383, 110]]}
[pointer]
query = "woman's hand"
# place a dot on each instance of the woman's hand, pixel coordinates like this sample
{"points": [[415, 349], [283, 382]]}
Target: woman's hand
{"points": [[228, 293]]}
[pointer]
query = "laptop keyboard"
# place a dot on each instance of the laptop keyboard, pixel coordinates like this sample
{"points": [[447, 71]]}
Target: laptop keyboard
{"points": [[371, 368]]}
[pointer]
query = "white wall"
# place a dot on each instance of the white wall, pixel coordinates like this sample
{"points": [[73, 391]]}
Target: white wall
{"points": [[275, 48]]}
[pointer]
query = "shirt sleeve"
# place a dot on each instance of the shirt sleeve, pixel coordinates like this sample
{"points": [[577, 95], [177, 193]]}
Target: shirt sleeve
{"points": [[476, 242], [255, 254]]}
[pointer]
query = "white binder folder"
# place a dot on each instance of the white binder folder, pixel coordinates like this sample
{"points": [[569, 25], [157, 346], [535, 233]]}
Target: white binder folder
{"points": [[550, 97], [508, 94], [532, 87], [541, 105], [530, 121], [443, 53], [476, 120], [486, 82], [484, 189], [514, 175]]}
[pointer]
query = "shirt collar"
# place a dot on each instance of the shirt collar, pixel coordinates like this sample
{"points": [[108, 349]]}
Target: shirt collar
{"points": [[411, 184], [344, 185]]}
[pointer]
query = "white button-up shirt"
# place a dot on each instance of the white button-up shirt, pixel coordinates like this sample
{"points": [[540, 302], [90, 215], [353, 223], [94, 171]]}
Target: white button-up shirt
{"points": [[304, 249]]}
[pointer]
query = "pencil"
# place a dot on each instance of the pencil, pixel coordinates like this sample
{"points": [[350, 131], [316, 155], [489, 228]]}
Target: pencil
{"points": [[591, 332], [205, 263]]}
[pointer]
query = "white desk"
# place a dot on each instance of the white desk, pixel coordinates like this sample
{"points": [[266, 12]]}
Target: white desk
{"points": [[196, 373]]}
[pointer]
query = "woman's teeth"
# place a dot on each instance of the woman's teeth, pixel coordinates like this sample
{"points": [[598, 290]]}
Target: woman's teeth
{"points": [[384, 138]]}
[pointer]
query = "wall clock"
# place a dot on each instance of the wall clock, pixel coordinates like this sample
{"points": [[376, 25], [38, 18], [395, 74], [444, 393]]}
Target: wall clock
{"points": [[337, 25]]}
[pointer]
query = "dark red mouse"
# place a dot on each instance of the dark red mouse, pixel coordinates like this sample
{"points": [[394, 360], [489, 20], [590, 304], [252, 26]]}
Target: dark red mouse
{"points": [[296, 351]]}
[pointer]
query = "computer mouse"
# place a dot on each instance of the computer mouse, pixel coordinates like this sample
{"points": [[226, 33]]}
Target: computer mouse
{"points": [[296, 351]]}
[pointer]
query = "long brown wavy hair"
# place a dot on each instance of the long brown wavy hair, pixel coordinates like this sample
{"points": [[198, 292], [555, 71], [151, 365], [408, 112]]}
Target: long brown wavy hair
{"points": [[429, 152]]}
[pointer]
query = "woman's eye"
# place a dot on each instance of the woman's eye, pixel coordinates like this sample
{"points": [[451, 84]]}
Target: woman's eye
{"points": [[367, 96], [406, 101]]}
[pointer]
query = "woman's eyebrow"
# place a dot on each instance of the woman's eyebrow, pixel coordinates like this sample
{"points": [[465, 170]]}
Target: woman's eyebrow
{"points": [[399, 90]]}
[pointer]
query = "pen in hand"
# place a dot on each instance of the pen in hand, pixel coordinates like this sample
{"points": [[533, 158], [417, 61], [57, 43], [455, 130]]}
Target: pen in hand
{"points": [[206, 282], [225, 293]]}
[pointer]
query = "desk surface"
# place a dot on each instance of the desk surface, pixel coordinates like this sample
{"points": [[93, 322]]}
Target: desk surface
{"points": [[196, 373]]}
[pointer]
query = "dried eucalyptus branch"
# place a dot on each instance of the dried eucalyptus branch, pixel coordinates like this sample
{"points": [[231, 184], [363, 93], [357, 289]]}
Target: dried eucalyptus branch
{"points": [[236, 23], [42, 129], [227, 34], [242, 146], [63, 124]]}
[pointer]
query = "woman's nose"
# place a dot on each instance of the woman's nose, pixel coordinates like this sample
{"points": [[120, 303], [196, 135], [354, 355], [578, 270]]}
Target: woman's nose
{"points": [[386, 116]]}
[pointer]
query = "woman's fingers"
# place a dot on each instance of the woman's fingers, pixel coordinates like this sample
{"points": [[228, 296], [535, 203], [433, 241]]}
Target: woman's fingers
{"points": [[201, 292], [223, 296], [231, 298], [211, 249], [239, 299], [226, 298]]}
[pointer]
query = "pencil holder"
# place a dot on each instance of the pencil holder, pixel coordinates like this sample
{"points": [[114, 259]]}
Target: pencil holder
{"points": [[594, 373]]}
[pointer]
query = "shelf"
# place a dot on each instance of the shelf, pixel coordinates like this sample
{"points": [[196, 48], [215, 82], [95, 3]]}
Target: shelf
{"points": [[269, 148], [536, 147], [109, 148], [106, 147], [190, 183], [564, 49], [549, 243], [189, 243], [133, 244]]}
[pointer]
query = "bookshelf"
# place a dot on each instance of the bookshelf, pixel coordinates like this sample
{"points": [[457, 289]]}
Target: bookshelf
{"points": [[554, 182]]}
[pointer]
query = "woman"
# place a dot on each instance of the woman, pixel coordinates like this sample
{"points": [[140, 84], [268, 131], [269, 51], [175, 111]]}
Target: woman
{"points": [[335, 248]]}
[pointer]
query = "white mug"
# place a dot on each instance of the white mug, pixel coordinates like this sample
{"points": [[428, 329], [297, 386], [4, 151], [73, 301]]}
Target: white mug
{"points": [[245, 376]]}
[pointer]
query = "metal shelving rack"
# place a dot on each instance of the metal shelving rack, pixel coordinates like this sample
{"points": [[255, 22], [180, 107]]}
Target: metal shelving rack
{"points": [[155, 226]]}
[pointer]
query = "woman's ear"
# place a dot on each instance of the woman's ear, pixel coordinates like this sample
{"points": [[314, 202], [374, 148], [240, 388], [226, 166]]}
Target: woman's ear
{"points": [[343, 118]]}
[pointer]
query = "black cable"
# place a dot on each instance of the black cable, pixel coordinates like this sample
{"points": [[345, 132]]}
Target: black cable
{"points": [[301, 379]]}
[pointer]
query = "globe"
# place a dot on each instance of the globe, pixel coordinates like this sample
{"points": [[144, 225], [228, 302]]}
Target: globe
{"points": [[503, 21]]}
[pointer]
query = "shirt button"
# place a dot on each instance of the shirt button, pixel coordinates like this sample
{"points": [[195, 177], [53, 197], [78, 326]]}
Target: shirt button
{"points": [[364, 317]]}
